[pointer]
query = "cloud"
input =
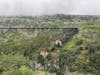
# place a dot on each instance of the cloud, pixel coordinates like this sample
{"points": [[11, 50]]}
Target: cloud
{"points": [[44, 7]]}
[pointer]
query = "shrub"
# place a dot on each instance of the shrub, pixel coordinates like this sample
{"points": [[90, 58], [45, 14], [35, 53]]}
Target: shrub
{"points": [[22, 71], [25, 71], [11, 62]]}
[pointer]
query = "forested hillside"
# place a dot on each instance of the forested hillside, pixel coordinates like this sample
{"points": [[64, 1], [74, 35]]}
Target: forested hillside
{"points": [[54, 45]]}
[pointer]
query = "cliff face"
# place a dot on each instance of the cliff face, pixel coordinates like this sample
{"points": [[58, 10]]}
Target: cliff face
{"points": [[68, 33]]}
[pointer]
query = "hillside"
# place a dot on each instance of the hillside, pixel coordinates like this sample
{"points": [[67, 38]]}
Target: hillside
{"points": [[55, 45]]}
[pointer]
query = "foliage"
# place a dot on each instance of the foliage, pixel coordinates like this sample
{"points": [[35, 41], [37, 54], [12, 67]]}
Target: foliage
{"points": [[22, 71], [12, 62]]}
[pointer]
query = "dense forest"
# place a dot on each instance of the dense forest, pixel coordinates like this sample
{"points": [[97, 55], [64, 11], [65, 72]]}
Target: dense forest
{"points": [[50, 45]]}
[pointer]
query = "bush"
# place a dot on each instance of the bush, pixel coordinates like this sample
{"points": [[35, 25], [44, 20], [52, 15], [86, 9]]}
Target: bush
{"points": [[11, 62], [25, 71], [22, 71], [8, 73]]}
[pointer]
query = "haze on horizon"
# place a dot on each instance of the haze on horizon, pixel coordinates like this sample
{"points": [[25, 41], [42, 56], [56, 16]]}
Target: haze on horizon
{"points": [[47, 7]]}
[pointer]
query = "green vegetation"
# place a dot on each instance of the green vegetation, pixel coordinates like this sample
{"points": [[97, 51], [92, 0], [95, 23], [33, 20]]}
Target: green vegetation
{"points": [[72, 51]]}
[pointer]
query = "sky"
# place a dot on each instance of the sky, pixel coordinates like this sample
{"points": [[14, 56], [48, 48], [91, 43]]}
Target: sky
{"points": [[48, 7]]}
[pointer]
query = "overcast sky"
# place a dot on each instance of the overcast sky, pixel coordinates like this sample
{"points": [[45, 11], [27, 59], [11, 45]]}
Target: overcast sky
{"points": [[44, 7]]}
